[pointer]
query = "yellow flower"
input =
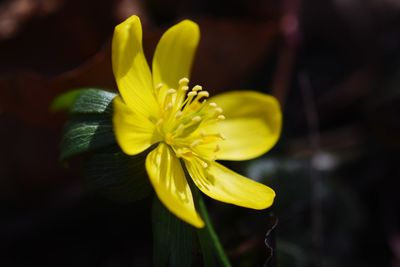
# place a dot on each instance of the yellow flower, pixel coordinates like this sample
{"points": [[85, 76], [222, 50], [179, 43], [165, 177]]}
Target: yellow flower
{"points": [[186, 125]]}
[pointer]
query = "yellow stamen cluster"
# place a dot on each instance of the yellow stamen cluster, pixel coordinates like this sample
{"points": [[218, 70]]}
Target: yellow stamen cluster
{"points": [[185, 115]]}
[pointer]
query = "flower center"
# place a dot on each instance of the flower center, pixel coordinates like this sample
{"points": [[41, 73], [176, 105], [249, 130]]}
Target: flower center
{"points": [[188, 122]]}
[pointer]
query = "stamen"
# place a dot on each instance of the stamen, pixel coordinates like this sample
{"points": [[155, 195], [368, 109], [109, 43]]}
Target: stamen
{"points": [[171, 91], [180, 152], [178, 114], [158, 87], [203, 94], [196, 118], [219, 110], [204, 164], [183, 81], [200, 95], [179, 130], [159, 122], [217, 148], [185, 114], [195, 143], [185, 104], [221, 117], [197, 88], [222, 136], [168, 106]]}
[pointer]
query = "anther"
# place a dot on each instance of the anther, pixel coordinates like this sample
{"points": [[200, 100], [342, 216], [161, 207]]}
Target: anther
{"points": [[219, 110], [178, 114], [196, 118], [192, 93], [158, 87], [222, 136], [195, 143], [203, 94], [180, 128], [185, 88], [183, 81], [213, 104], [221, 117], [197, 88], [159, 122], [168, 106], [217, 148], [171, 91]]}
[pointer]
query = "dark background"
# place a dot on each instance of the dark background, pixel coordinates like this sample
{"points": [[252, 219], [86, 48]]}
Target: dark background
{"points": [[335, 67]]}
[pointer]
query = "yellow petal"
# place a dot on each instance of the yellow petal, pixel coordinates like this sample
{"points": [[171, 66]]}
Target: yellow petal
{"points": [[222, 184], [252, 125], [169, 182], [133, 131], [174, 53], [130, 67]]}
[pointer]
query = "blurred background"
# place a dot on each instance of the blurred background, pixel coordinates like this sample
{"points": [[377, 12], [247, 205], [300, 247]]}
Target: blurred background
{"points": [[335, 67]]}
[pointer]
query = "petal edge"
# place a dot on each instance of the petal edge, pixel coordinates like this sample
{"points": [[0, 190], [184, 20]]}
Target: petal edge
{"points": [[174, 53], [130, 67], [222, 184]]}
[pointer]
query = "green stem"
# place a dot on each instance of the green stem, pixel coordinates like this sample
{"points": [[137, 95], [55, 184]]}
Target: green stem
{"points": [[209, 230]]}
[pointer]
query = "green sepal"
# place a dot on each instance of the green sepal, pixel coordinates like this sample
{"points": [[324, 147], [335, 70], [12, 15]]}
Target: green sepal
{"points": [[90, 126], [117, 176], [172, 238]]}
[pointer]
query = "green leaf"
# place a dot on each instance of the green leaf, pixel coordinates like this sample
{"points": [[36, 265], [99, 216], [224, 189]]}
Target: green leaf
{"points": [[83, 100], [93, 101], [173, 238], [91, 126], [86, 134], [107, 170], [64, 101], [117, 176]]}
